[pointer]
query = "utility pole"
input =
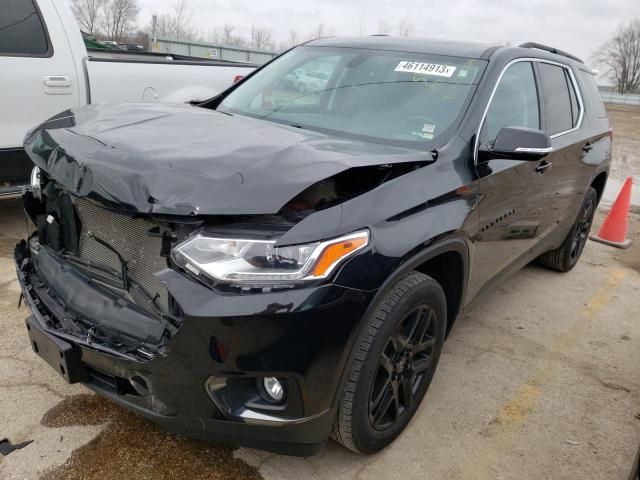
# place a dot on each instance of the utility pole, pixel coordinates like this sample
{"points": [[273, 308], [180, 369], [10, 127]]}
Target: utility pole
{"points": [[154, 39]]}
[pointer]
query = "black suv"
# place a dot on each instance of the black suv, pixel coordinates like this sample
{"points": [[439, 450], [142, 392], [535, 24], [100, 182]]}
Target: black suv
{"points": [[273, 267]]}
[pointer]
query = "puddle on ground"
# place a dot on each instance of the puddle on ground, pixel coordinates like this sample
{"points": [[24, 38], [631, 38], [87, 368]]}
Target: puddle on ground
{"points": [[131, 447]]}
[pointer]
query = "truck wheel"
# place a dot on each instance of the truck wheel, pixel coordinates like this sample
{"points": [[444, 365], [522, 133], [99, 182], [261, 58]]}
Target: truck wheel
{"points": [[395, 359], [567, 255]]}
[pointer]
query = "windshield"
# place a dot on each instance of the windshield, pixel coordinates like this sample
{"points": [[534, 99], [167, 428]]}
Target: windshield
{"points": [[391, 97]]}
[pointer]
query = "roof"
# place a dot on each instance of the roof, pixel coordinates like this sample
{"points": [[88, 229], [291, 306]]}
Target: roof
{"points": [[415, 45], [444, 47]]}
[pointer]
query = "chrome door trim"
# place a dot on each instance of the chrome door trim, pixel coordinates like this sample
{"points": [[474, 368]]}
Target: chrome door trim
{"points": [[495, 87]]}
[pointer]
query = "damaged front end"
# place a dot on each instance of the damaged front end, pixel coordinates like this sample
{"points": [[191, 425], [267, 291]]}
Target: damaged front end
{"points": [[115, 309], [92, 273]]}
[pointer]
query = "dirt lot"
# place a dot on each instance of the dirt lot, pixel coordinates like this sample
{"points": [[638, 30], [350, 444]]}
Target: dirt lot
{"points": [[626, 140], [541, 380]]}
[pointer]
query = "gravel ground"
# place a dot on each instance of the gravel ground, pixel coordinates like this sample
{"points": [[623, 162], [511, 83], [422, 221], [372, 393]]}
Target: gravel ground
{"points": [[625, 120], [540, 380]]}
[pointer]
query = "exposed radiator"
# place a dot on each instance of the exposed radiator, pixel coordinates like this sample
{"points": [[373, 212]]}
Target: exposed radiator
{"points": [[131, 239]]}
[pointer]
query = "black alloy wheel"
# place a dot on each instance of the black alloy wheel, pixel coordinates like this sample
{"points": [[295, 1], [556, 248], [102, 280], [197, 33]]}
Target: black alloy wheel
{"points": [[393, 363], [582, 231], [565, 257], [403, 363]]}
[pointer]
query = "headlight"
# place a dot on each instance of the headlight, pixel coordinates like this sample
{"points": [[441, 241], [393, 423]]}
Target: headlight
{"points": [[260, 261]]}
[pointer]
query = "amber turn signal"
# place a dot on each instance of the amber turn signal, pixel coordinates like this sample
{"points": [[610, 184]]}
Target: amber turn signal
{"points": [[335, 252]]}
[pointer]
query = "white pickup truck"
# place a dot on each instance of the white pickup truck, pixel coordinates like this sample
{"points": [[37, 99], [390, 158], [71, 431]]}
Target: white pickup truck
{"points": [[45, 69]]}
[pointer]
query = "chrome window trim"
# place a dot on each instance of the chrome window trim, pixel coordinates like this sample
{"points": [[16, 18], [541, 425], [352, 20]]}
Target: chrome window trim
{"points": [[534, 150], [495, 87]]}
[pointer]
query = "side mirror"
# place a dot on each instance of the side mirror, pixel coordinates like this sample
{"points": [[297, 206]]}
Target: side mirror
{"points": [[519, 143]]}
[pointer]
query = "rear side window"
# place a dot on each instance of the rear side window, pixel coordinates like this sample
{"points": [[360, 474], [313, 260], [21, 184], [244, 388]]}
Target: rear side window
{"points": [[22, 31], [561, 102], [593, 94], [514, 103], [573, 97]]}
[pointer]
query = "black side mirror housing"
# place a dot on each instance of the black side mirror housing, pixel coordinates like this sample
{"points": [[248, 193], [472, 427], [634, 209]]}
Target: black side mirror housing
{"points": [[519, 143]]}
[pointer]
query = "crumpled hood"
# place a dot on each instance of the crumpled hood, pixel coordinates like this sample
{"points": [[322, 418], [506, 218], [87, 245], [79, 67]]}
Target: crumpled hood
{"points": [[179, 159]]}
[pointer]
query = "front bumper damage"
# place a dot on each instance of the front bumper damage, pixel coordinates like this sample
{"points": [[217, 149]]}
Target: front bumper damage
{"points": [[202, 382]]}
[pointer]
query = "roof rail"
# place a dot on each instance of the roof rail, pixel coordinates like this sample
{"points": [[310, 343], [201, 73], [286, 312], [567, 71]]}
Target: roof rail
{"points": [[546, 48]]}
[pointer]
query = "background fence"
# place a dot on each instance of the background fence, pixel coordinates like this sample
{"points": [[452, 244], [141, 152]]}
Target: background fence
{"points": [[210, 50], [628, 99]]}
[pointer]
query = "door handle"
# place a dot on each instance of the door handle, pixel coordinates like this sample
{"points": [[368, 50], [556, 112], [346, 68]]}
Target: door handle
{"points": [[57, 85], [543, 167], [587, 147]]}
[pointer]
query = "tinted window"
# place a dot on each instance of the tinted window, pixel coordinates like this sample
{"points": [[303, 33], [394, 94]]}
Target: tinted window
{"points": [[557, 98], [514, 104], [575, 107], [21, 29], [592, 94]]}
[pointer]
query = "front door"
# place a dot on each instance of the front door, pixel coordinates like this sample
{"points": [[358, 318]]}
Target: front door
{"points": [[512, 192]]}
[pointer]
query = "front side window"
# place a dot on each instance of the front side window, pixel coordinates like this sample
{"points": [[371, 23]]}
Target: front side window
{"points": [[561, 104], [514, 103], [388, 97], [21, 29]]}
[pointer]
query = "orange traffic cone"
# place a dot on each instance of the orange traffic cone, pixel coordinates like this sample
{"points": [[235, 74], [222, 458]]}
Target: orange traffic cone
{"points": [[614, 229]]}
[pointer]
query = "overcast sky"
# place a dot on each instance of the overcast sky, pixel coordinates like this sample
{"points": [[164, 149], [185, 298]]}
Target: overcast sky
{"points": [[578, 26]]}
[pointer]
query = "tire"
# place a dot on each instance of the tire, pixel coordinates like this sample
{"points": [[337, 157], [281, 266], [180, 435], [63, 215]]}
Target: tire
{"points": [[565, 257], [409, 317]]}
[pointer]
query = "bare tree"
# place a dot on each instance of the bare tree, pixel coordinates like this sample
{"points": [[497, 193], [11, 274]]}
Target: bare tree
{"points": [[177, 23], [405, 28], [89, 14], [621, 56], [182, 19], [120, 18], [319, 31], [293, 38], [383, 27], [261, 38], [227, 34], [291, 41]]}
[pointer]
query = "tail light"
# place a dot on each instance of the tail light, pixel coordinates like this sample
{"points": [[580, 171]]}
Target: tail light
{"points": [[237, 78]]}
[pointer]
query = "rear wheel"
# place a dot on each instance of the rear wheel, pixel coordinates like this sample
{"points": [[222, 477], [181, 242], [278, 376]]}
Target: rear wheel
{"points": [[567, 255], [396, 357]]}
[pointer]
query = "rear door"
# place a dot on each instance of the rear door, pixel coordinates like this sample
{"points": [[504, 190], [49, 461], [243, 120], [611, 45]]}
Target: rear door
{"points": [[568, 176], [37, 73]]}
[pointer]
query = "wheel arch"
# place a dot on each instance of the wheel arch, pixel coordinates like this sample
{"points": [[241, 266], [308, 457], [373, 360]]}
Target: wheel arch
{"points": [[598, 183], [423, 261], [447, 262]]}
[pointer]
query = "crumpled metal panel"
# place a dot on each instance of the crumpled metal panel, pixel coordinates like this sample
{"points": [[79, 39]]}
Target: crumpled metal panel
{"points": [[179, 159]]}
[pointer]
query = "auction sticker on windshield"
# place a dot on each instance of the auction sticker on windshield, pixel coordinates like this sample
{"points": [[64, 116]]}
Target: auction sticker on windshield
{"points": [[426, 68]]}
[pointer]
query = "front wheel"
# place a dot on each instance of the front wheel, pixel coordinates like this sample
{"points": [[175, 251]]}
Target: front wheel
{"points": [[565, 257], [395, 359]]}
